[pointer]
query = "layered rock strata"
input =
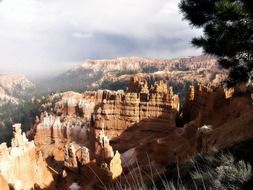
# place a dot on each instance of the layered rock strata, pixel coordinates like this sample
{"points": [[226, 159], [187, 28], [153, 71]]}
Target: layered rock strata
{"points": [[142, 106], [144, 124], [21, 165], [76, 156], [107, 163], [51, 130], [77, 104], [79, 117], [223, 112], [65, 120]]}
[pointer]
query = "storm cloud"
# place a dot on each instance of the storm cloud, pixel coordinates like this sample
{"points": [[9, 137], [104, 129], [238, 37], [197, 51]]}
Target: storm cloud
{"points": [[47, 36]]}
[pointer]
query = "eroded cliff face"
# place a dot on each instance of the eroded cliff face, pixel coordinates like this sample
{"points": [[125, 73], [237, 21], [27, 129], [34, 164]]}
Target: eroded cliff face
{"points": [[76, 129], [213, 118], [227, 112], [21, 165], [157, 107], [80, 117], [114, 74], [51, 130], [65, 118], [117, 129]]}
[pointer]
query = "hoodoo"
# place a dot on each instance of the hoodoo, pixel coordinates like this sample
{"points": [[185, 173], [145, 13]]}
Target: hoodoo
{"points": [[110, 131], [21, 165]]}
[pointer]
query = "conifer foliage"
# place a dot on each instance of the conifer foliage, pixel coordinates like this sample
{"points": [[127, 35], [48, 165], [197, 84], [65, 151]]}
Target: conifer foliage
{"points": [[227, 33]]}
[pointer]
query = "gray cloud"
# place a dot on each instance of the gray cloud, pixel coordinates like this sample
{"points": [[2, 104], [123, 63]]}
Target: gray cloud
{"points": [[48, 36]]}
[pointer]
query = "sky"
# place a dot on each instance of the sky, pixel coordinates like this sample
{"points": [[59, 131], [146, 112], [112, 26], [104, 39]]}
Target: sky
{"points": [[46, 37]]}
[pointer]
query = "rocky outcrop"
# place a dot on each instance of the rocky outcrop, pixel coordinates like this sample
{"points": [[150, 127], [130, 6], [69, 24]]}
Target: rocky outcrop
{"points": [[72, 103], [109, 163], [116, 166], [76, 156], [84, 155], [5, 98], [229, 92], [199, 99], [21, 165], [212, 120], [117, 111], [114, 74], [110, 112], [142, 125], [70, 158], [51, 130], [74, 186], [12, 86], [103, 149], [15, 83]]}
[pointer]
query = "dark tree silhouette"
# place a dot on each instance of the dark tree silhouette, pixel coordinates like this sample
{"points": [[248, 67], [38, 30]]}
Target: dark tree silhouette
{"points": [[227, 33]]}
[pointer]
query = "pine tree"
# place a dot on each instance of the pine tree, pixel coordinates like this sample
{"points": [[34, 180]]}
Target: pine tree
{"points": [[227, 33]]}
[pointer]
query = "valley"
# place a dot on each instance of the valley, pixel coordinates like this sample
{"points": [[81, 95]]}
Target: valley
{"points": [[92, 139]]}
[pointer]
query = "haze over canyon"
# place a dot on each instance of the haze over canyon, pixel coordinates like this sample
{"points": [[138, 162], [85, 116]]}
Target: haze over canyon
{"points": [[128, 114], [126, 95]]}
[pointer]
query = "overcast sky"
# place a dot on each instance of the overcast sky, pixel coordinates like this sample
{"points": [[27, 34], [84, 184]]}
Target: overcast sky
{"points": [[48, 36]]}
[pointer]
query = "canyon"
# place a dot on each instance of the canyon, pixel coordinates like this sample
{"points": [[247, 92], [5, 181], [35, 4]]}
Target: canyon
{"points": [[165, 116], [104, 103], [90, 139], [114, 74]]}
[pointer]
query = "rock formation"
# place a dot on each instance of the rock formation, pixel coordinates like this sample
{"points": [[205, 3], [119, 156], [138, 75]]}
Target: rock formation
{"points": [[140, 106], [229, 92], [107, 164], [51, 130], [110, 171], [76, 156], [116, 166], [114, 74], [109, 131], [84, 155], [3, 183], [211, 120], [110, 163], [77, 104], [21, 165], [209, 115], [12, 86], [70, 158], [63, 135], [103, 149]]}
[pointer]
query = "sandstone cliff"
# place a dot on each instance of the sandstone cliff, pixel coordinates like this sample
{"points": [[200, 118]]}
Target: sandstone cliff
{"points": [[144, 124], [139, 106], [75, 129], [228, 112], [21, 165], [65, 119], [212, 118], [211, 121]]}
